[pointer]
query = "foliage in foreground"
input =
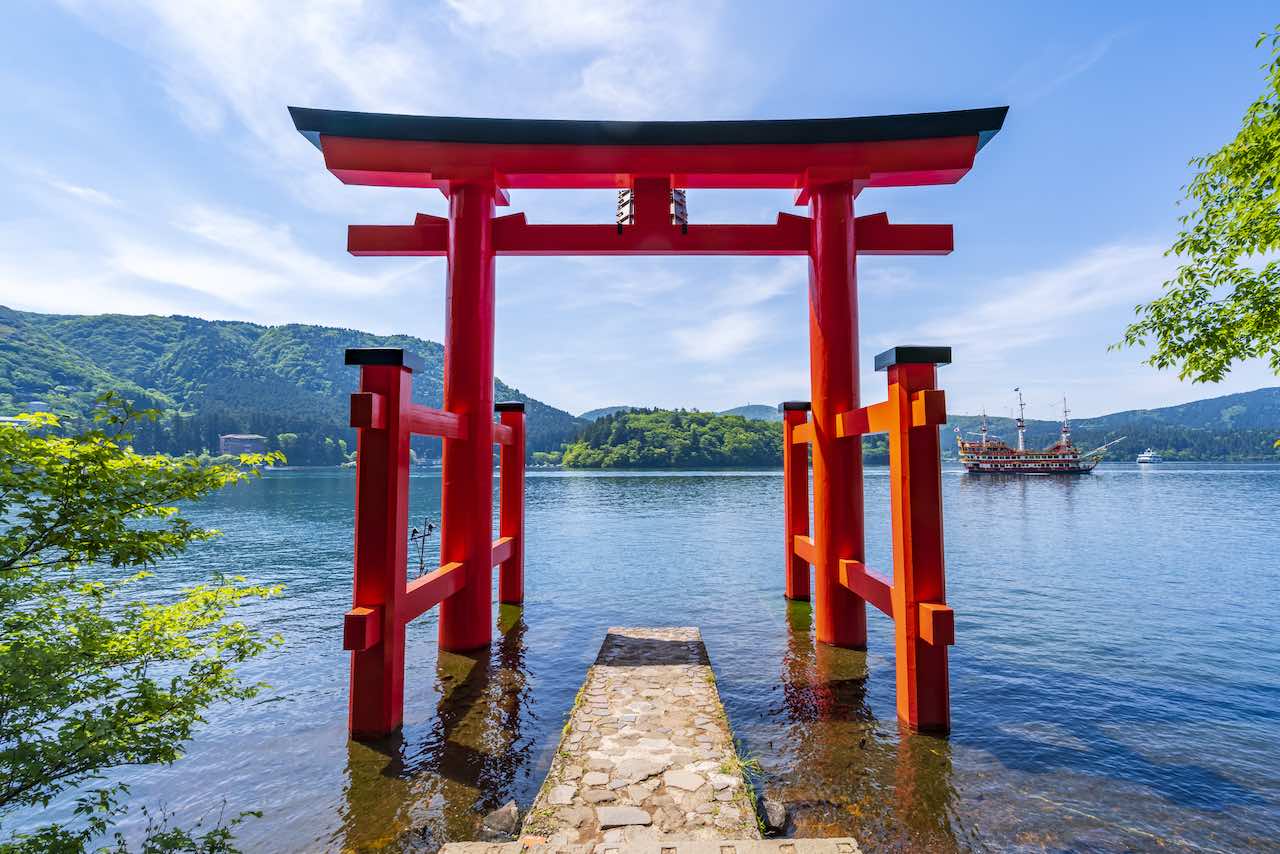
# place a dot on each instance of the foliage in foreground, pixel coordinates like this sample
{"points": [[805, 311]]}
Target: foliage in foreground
{"points": [[92, 678], [1224, 304]]}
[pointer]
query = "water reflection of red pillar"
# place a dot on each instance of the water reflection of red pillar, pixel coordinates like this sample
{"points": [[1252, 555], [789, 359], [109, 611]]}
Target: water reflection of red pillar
{"points": [[923, 623], [511, 503], [466, 492], [841, 615], [795, 480]]}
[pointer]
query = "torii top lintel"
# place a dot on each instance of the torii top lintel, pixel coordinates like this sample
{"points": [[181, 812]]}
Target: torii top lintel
{"points": [[416, 151], [379, 149]]}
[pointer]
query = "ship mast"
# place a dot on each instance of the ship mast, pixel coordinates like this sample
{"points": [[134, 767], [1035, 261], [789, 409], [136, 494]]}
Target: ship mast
{"points": [[1066, 423], [1022, 422]]}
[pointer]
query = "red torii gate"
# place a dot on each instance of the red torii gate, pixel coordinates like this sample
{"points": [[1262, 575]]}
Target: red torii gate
{"points": [[827, 162]]}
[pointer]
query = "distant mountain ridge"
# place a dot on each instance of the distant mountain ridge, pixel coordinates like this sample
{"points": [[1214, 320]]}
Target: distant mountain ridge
{"points": [[1242, 426], [226, 376], [601, 412], [755, 412], [1257, 409]]}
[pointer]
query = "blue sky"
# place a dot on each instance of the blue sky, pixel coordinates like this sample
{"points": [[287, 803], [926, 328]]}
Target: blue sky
{"points": [[151, 168]]}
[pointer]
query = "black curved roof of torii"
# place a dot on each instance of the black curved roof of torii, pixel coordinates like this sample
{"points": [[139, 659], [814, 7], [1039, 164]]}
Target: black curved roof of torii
{"points": [[984, 123]]}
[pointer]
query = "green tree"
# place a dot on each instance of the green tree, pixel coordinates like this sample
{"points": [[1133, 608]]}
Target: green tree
{"points": [[93, 678], [1224, 303]]}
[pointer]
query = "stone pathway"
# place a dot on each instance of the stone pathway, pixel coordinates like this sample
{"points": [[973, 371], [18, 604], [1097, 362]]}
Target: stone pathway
{"points": [[647, 754]]}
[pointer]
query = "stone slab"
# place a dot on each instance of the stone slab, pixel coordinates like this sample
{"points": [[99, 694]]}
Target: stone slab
{"points": [[647, 739], [835, 845]]}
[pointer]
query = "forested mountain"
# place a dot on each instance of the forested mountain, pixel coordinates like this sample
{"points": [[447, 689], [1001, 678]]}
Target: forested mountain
{"points": [[665, 438], [288, 383]]}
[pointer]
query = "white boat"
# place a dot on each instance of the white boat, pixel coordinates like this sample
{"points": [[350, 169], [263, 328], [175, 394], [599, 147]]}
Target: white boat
{"points": [[1150, 456]]}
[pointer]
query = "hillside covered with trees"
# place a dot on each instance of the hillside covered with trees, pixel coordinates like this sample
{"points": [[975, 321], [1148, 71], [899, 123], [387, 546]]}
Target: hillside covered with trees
{"points": [[664, 438], [287, 383]]}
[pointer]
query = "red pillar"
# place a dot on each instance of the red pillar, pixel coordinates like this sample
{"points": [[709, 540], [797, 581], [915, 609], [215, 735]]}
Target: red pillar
{"points": [[915, 478], [841, 615], [466, 493], [511, 505], [382, 501], [795, 480]]}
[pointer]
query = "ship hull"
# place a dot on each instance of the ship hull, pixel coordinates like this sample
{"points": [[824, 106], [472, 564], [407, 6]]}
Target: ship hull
{"points": [[993, 468], [995, 458]]}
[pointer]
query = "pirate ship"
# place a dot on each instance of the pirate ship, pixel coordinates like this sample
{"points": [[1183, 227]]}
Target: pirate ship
{"points": [[991, 455]]}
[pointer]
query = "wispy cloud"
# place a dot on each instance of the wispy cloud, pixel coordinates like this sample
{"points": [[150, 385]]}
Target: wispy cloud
{"points": [[721, 338], [636, 58], [1024, 310], [230, 68], [221, 260], [754, 286], [1055, 67], [88, 194]]}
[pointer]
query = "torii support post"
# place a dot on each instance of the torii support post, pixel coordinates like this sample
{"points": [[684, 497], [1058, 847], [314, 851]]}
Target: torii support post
{"points": [[385, 601], [374, 628], [923, 624], [915, 597], [839, 613], [511, 504], [466, 492], [795, 477]]}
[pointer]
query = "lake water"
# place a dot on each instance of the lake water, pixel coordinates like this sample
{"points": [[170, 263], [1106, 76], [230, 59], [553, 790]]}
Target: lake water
{"points": [[1115, 678]]}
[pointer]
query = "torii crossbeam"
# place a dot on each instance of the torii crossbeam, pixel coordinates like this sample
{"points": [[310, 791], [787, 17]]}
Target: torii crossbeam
{"points": [[827, 163]]}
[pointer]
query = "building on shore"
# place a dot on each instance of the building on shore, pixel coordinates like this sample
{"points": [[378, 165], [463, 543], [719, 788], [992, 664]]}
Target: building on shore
{"points": [[242, 443]]}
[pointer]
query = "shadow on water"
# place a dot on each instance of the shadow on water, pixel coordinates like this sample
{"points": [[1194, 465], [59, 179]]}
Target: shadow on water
{"points": [[841, 771], [433, 782]]}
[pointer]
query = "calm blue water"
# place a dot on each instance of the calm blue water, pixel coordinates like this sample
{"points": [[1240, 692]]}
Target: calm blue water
{"points": [[1115, 681]]}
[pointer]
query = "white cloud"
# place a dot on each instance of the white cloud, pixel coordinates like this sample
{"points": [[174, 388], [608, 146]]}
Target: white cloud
{"points": [[721, 338], [631, 58], [201, 258], [881, 278], [231, 67], [522, 28]]}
